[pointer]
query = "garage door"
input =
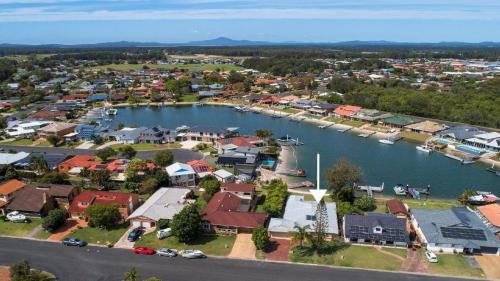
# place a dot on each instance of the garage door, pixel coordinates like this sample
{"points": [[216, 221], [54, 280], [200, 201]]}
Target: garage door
{"points": [[136, 223]]}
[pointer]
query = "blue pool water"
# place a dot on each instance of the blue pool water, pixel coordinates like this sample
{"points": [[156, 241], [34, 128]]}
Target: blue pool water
{"points": [[470, 149]]}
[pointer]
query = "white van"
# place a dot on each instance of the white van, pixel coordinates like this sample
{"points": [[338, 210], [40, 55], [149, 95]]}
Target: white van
{"points": [[163, 233]]}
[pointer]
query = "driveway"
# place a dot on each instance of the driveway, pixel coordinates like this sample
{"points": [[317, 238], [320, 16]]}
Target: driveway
{"points": [[243, 247], [85, 145], [123, 242], [278, 250], [67, 228], [108, 144], [490, 265], [189, 144], [414, 262]]}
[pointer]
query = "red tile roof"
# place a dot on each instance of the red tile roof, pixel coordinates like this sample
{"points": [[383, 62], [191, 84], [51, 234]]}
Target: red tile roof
{"points": [[240, 141], [81, 161], [11, 186], [395, 206], [200, 166], [89, 197], [347, 110], [223, 210], [238, 187]]}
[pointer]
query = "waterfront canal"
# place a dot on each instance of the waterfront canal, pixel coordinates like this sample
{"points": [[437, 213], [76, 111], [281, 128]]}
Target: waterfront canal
{"points": [[392, 164]]}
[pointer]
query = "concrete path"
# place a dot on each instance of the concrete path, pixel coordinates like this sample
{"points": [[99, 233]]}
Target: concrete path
{"points": [[34, 232], [67, 228], [243, 247], [189, 144], [490, 266], [108, 144], [85, 145], [414, 262]]}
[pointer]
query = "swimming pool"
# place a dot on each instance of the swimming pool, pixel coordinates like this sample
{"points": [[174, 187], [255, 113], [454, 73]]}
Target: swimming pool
{"points": [[470, 149], [442, 141], [268, 164]]}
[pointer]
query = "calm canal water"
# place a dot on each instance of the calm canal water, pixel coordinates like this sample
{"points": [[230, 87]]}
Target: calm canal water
{"points": [[392, 164]]}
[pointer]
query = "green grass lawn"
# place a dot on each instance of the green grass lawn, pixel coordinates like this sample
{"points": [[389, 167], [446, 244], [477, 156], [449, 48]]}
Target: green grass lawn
{"points": [[213, 67], [138, 146], [43, 234], [99, 236], [22, 142], [44, 144], [355, 256], [455, 265], [288, 110], [175, 145], [189, 98], [435, 204], [216, 245], [413, 136], [8, 228], [312, 116], [353, 123]]}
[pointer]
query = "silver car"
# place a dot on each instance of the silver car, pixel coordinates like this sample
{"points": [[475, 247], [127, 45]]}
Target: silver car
{"points": [[165, 252], [192, 254]]}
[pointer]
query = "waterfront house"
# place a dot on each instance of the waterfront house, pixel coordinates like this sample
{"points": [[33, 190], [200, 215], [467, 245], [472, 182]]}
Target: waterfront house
{"points": [[239, 155], [491, 216], [232, 143], [58, 129], [88, 131], [228, 213], [455, 230], [127, 202], [157, 135], [398, 121], [370, 115], [375, 228], [98, 97], [127, 135], [301, 104], [224, 176], [301, 212], [162, 205], [181, 174], [346, 111], [7, 190], [206, 134], [488, 141], [425, 127], [461, 132], [397, 208], [322, 109]]}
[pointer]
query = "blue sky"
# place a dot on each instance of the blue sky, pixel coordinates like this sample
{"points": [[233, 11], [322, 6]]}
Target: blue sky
{"points": [[90, 21]]}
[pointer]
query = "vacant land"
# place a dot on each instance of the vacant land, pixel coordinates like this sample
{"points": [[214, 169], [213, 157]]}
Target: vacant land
{"points": [[216, 245], [337, 120], [356, 256], [202, 67], [413, 136], [436, 204], [99, 236], [455, 265], [18, 229]]}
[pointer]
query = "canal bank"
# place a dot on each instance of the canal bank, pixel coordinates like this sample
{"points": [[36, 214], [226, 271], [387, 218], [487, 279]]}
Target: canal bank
{"points": [[399, 163]]}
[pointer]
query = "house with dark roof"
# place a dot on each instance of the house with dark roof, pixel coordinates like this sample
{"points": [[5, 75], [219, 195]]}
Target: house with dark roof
{"points": [[322, 109], [398, 121], [375, 228], [52, 160], [455, 230], [157, 135], [229, 213], [461, 132], [127, 135]]}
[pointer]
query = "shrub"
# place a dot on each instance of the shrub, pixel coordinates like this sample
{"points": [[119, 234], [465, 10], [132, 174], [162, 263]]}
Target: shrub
{"points": [[186, 225], [55, 219], [365, 203], [260, 238], [162, 224], [103, 216]]}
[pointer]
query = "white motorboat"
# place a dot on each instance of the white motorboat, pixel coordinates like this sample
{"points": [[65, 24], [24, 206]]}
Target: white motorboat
{"points": [[386, 141], [111, 111], [424, 148], [399, 189]]}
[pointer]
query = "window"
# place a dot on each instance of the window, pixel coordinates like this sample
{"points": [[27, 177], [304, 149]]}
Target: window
{"points": [[311, 217]]}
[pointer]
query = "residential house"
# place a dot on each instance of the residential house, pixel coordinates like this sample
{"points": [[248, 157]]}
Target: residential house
{"points": [[181, 174], [207, 134], [7, 190], [425, 127], [127, 135], [491, 216], [201, 168], [76, 163], [38, 199], [224, 176], [370, 115], [58, 129], [488, 141], [228, 213], [162, 205], [397, 208], [301, 104], [301, 212], [87, 131], [157, 135], [346, 111], [243, 190], [127, 202], [461, 132], [455, 230], [398, 121], [11, 158], [375, 228], [232, 143], [52, 160], [17, 129], [322, 109]]}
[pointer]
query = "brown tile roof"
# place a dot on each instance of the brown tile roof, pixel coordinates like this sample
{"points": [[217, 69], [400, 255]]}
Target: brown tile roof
{"points": [[10, 186], [395, 206], [223, 210], [238, 187], [31, 197], [85, 199]]}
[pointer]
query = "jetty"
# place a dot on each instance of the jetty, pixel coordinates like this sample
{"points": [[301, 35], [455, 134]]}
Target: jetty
{"points": [[366, 135], [304, 184], [464, 161], [370, 189], [343, 130], [326, 126]]}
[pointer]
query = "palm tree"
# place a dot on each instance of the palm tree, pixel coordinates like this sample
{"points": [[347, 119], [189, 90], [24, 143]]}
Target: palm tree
{"points": [[300, 234], [132, 275]]}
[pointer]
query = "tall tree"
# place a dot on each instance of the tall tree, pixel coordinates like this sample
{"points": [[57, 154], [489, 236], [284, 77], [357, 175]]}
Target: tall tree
{"points": [[163, 158], [320, 226], [342, 176], [301, 233], [186, 225]]}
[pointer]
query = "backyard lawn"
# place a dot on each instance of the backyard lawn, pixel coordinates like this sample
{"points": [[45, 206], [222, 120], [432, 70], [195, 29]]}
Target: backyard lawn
{"points": [[99, 236], [353, 123], [210, 244], [18, 229], [413, 136], [21, 142], [436, 204], [223, 67], [189, 98], [455, 265], [356, 256]]}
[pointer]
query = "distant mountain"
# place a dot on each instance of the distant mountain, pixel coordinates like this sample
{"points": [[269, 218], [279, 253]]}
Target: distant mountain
{"points": [[228, 42]]}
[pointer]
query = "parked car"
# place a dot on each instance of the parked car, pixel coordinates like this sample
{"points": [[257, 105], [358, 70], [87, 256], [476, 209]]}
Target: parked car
{"points": [[15, 216], [164, 252], [72, 241], [431, 257], [144, 251], [192, 254], [163, 233], [135, 234]]}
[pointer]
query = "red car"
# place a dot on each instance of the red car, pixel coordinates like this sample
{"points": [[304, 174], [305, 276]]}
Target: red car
{"points": [[144, 251]]}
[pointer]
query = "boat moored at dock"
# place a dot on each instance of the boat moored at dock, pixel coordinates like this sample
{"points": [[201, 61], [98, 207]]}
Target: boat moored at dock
{"points": [[386, 141], [424, 148]]}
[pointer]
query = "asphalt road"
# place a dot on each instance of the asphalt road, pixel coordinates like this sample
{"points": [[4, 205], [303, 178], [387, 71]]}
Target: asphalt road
{"points": [[180, 155], [96, 263]]}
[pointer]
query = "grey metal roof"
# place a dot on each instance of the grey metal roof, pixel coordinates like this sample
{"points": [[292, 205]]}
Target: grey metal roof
{"points": [[163, 204], [462, 132], [362, 227], [459, 220], [298, 210]]}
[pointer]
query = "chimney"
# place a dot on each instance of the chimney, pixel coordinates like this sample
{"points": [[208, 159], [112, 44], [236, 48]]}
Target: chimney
{"points": [[44, 198]]}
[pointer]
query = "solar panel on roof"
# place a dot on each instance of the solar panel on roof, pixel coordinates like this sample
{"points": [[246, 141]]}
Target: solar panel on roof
{"points": [[463, 233]]}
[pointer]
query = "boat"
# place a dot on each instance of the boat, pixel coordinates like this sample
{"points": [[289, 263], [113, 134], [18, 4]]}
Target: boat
{"points": [[287, 140], [463, 161], [300, 173], [386, 141], [424, 148], [182, 128], [493, 170], [304, 184], [241, 108], [414, 193], [482, 198], [111, 111], [399, 189], [199, 104]]}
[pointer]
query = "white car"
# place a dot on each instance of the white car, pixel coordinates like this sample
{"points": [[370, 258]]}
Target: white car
{"points": [[16, 217], [431, 257], [192, 254], [163, 233]]}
